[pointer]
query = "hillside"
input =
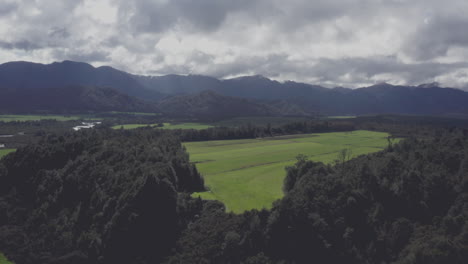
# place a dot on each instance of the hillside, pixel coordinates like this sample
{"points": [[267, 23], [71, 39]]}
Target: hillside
{"points": [[209, 104], [69, 99], [28, 75]]}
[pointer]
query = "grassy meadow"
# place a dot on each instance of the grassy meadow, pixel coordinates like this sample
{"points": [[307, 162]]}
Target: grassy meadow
{"points": [[4, 260], [9, 118], [248, 173], [341, 117], [197, 126], [3, 152]]}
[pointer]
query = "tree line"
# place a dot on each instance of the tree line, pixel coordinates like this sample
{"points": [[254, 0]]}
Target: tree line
{"points": [[407, 204]]}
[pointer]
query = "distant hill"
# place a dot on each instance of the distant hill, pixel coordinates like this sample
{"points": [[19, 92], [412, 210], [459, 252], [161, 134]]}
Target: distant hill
{"points": [[28, 75], [70, 99], [426, 99], [209, 104]]}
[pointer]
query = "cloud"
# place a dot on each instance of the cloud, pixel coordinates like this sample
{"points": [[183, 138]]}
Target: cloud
{"points": [[434, 38], [7, 7], [21, 45], [81, 55], [336, 42]]}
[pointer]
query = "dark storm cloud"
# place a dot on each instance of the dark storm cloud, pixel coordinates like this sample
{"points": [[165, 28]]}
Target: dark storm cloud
{"points": [[7, 7], [21, 45], [159, 16], [437, 36], [209, 15]]}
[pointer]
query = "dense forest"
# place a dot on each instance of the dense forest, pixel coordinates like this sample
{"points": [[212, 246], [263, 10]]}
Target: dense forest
{"points": [[119, 196], [407, 204], [95, 197], [70, 99], [211, 105]]}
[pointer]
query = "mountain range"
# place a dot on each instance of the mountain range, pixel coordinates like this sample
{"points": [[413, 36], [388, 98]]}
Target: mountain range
{"points": [[186, 95], [209, 104]]}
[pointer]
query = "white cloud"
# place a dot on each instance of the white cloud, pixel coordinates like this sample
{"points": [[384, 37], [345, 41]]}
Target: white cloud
{"points": [[335, 42]]}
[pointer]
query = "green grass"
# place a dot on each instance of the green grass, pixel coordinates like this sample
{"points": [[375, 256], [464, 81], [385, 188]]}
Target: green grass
{"points": [[131, 126], [166, 126], [3, 152], [341, 117], [4, 260], [9, 118], [249, 173], [197, 126]]}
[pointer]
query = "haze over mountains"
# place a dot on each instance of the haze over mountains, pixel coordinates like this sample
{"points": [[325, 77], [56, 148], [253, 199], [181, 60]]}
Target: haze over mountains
{"points": [[187, 96]]}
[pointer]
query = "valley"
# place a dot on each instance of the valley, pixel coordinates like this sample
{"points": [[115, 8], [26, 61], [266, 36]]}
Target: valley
{"points": [[233, 132]]}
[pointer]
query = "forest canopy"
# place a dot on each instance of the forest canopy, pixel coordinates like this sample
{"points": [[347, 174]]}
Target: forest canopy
{"points": [[123, 196]]}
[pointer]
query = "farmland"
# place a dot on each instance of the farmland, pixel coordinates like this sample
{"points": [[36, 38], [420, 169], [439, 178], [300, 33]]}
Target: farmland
{"points": [[3, 152], [341, 117], [248, 173], [3, 259], [9, 118]]}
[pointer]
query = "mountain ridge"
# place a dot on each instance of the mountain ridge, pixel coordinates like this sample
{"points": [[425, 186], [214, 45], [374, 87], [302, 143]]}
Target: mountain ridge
{"points": [[382, 98]]}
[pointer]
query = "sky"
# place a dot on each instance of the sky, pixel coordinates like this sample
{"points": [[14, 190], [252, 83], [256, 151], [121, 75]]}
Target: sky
{"points": [[349, 43]]}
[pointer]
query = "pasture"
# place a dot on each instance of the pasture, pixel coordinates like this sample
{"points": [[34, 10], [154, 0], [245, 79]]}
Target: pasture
{"points": [[341, 117], [10, 118], [4, 260], [248, 173], [3, 152]]}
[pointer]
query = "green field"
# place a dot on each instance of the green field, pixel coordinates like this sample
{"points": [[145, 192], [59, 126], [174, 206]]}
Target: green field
{"points": [[132, 126], [3, 152], [248, 173], [9, 118], [4, 260], [341, 117], [166, 126]]}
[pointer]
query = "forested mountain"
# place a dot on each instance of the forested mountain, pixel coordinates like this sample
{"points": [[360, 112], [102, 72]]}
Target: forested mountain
{"points": [[173, 84], [70, 99], [377, 99], [209, 104], [27, 75]]}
